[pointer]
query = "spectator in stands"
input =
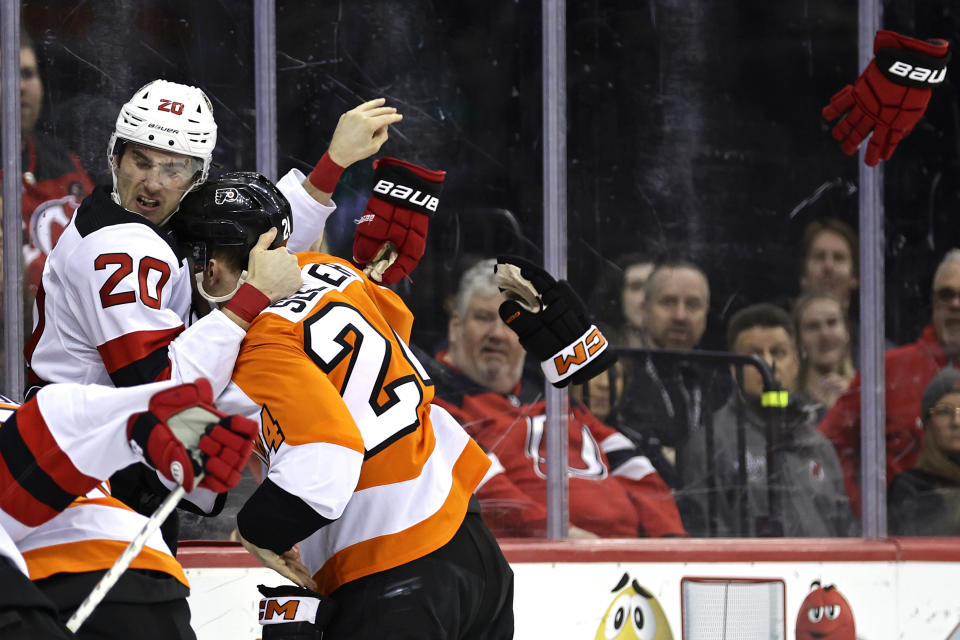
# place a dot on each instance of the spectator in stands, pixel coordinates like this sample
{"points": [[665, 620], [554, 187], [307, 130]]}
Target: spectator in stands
{"points": [[618, 300], [908, 371], [830, 258], [792, 481], [53, 180], [614, 491], [667, 397], [831, 255], [617, 303], [823, 338], [925, 500]]}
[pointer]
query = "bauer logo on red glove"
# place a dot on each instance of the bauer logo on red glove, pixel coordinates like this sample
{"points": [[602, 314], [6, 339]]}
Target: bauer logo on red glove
{"points": [[401, 194], [890, 96], [392, 233]]}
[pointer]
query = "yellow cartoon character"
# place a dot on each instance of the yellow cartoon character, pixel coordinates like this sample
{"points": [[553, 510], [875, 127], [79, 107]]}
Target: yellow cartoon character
{"points": [[634, 615]]}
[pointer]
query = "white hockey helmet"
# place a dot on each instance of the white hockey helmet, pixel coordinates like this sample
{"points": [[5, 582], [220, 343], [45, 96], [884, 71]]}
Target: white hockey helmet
{"points": [[168, 116]]}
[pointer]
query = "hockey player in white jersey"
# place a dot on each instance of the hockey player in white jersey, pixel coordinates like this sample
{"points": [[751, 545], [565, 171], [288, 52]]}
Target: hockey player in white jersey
{"points": [[60, 445], [114, 307]]}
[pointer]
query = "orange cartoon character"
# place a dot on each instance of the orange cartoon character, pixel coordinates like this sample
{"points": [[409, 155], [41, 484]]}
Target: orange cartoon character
{"points": [[825, 615]]}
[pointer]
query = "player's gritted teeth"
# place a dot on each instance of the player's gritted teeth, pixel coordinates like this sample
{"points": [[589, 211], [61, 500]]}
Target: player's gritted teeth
{"points": [[147, 205]]}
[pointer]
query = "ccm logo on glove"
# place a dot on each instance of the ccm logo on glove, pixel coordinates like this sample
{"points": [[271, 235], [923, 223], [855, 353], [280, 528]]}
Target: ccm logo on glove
{"points": [[271, 609], [585, 348], [400, 192]]}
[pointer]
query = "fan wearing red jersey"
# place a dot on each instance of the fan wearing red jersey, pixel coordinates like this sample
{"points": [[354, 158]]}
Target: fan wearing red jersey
{"points": [[614, 490], [64, 441], [371, 481]]}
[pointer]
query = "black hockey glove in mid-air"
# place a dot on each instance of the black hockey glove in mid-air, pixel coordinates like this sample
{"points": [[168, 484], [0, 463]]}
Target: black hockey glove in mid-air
{"points": [[288, 612], [552, 322]]}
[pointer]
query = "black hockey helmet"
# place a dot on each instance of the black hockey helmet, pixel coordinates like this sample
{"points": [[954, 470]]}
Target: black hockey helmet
{"points": [[231, 211]]}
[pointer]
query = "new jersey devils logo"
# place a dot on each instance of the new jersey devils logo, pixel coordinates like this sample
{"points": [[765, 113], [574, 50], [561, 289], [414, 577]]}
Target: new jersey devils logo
{"points": [[49, 220], [591, 457], [226, 195]]}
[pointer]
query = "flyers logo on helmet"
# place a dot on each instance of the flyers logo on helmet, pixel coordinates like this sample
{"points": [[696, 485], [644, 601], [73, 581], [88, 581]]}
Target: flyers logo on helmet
{"points": [[225, 195], [582, 351], [270, 609]]}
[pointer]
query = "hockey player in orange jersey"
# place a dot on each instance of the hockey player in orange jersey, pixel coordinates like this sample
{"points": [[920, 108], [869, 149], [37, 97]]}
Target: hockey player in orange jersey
{"points": [[372, 482]]}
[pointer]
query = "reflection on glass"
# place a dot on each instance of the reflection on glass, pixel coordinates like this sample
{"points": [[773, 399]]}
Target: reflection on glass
{"points": [[681, 146], [483, 381]]}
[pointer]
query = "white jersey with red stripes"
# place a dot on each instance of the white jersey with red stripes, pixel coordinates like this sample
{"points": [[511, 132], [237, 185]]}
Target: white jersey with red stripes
{"points": [[114, 308], [114, 302], [58, 446]]}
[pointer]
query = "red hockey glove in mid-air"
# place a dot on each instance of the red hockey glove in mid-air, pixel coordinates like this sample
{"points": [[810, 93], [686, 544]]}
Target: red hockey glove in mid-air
{"points": [[890, 96], [392, 234], [183, 436], [552, 322]]}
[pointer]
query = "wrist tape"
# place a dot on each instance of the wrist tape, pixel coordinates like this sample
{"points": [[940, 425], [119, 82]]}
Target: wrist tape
{"points": [[326, 174], [247, 302]]}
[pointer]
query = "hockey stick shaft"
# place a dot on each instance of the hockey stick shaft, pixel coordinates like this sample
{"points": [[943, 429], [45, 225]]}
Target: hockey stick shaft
{"points": [[132, 551]]}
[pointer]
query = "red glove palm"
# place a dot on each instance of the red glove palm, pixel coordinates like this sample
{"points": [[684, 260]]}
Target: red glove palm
{"points": [[404, 198], [183, 435], [890, 96]]}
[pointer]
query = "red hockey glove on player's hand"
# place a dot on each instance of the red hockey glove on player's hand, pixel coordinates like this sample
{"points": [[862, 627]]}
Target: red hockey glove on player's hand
{"points": [[392, 234], [890, 96], [184, 437], [552, 322]]}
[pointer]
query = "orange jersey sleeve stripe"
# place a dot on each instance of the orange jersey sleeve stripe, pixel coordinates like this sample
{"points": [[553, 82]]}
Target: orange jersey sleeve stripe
{"points": [[385, 552], [131, 347], [96, 555]]}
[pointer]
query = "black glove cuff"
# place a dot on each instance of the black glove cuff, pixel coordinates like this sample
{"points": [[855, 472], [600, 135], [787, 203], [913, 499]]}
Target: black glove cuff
{"points": [[912, 68], [289, 612], [576, 357], [404, 188], [138, 430]]}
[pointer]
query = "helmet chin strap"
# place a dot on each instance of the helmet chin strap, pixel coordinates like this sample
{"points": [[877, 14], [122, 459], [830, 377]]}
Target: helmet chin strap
{"points": [[223, 298]]}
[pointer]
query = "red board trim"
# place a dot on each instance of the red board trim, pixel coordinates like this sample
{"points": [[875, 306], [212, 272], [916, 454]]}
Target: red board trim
{"points": [[197, 554]]}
